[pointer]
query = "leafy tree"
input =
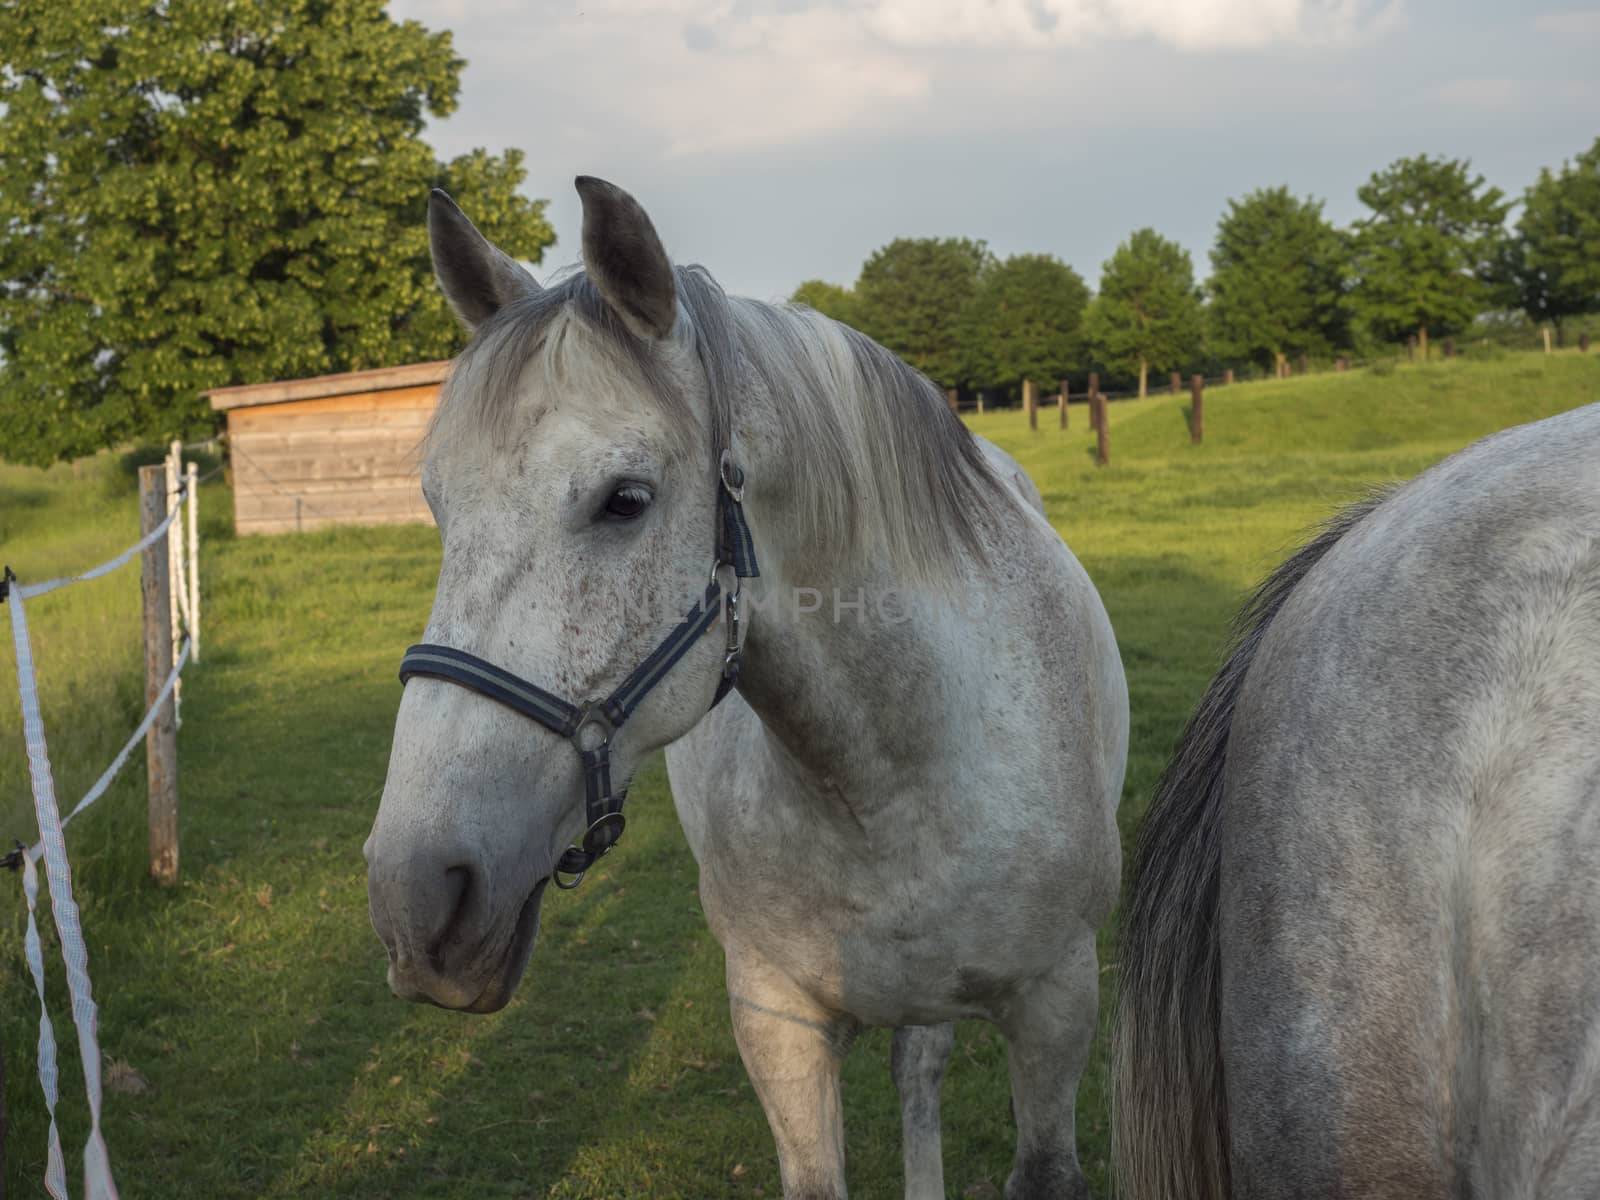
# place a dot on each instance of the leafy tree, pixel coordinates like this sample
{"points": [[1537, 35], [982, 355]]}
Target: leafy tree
{"points": [[829, 299], [1024, 321], [1147, 313], [1276, 276], [911, 296], [1425, 258], [210, 193], [1555, 258]]}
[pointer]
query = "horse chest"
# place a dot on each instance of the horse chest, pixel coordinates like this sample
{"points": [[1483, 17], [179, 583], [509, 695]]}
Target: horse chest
{"points": [[902, 931]]}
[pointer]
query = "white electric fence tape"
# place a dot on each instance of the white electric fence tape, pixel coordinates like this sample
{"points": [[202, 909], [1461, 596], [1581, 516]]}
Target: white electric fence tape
{"points": [[52, 847], [97, 1184]]}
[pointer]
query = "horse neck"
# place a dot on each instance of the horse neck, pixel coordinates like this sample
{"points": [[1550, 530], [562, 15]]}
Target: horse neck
{"points": [[845, 663]]}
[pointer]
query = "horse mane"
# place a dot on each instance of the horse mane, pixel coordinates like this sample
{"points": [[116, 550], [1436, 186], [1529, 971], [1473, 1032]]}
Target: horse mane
{"points": [[1169, 1102], [882, 468]]}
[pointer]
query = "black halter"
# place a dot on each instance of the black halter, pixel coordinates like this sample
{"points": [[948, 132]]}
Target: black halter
{"points": [[598, 719]]}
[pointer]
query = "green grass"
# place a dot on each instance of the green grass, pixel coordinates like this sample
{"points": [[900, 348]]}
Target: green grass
{"points": [[250, 999]]}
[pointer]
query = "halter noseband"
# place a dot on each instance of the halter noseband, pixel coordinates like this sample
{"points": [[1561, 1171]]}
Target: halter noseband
{"points": [[590, 726]]}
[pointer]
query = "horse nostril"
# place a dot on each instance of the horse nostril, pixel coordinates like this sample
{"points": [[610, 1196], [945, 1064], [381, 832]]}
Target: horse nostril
{"points": [[456, 899]]}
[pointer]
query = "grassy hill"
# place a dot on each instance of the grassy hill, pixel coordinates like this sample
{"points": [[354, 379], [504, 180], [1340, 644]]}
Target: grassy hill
{"points": [[259, 1050]]}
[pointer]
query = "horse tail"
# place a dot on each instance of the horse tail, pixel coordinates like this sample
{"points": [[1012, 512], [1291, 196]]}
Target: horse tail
{"points": [[1169, 1104]]}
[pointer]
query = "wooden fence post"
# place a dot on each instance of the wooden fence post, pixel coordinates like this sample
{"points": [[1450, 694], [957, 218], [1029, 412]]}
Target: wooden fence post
{"points": [[950, 395], [161, 744], [1547, 339], [1066, 392], [1305, 364], [1030, 402], [1411, 348], [1102, 435], [1227, 376], [1449, 347], [1583, 343], [1094, 404], [193, 573], [1197, 385], [1341, 363], [1177, 383]]}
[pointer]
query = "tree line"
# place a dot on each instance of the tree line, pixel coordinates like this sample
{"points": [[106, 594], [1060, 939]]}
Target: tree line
{"points": [[1431, 255], [213, 193]]}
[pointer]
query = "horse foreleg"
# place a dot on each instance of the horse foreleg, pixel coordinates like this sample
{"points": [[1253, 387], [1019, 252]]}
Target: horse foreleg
{"points": [[792, 1050], [918, 1059], [1049, 1026]]}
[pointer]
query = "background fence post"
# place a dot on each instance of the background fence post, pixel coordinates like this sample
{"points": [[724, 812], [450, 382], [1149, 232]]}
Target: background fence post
{"points": [[1197, 386], [1066, 392], [1341, 363], [1094, 404], [1305, 364], [1227, 376], [1103, 437], [1177, 383], [1547, 339], [161, 745], [193, 560], [1583, 343], [175, 602], [951, 395], [1030, 402]]}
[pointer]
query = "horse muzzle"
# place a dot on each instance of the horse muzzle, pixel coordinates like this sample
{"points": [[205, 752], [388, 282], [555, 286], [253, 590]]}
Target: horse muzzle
{"points": [[443, 948]]}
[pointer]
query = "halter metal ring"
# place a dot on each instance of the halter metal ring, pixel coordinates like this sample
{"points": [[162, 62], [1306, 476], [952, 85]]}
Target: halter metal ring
{"points": [[609, 827], [593, 716]]}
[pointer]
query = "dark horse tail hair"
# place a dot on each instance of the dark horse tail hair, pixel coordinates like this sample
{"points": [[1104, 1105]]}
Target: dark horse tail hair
{"points": [[1169, 1106]]}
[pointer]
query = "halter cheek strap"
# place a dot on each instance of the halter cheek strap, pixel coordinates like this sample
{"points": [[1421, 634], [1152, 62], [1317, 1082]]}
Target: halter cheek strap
{"points": [[590, 726]]}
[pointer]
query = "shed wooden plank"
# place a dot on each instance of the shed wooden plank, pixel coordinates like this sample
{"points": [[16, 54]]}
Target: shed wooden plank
{"points": [[347, 505], [296, 422], [309, 523], [297, 467], [330, 443], [378, 379], [424, 398], [256, 484]]}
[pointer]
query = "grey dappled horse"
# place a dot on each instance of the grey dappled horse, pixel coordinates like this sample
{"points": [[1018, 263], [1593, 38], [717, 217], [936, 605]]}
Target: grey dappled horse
{"points": [[903, 815], [1362, 950]]}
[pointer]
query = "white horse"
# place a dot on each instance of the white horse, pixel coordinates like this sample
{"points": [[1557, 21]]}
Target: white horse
{"points": [[904, 813], [1361, 950]]}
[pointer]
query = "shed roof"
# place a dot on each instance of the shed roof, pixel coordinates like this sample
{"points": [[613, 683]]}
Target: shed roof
{"points": [[350, 382]]}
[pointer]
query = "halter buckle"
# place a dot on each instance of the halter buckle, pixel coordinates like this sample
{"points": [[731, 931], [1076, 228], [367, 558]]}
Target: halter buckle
{"points": [[732, 476]]}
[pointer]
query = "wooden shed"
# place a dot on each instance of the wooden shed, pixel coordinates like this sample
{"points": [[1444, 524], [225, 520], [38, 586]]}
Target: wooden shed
{"points": [[334, 450]]}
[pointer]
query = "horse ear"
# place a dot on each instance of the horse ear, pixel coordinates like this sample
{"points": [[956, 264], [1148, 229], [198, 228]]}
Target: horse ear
{"points": [[478, 278], [625, 258]]}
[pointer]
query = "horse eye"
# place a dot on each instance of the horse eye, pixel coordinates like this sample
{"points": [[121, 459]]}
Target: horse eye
{"points": [[627, 502]]}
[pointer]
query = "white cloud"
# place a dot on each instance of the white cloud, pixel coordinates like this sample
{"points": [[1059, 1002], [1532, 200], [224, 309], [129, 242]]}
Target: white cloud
{"points": [[1572, 23], [1185, 24], [698, 77], [1495, 95]]}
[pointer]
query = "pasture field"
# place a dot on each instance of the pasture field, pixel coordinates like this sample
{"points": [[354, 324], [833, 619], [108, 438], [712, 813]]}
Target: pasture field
{"points": [[256, 1049]]}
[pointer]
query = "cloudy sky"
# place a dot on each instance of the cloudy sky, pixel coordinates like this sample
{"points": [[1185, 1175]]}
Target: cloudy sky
{"points": [[778, 140]]}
